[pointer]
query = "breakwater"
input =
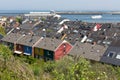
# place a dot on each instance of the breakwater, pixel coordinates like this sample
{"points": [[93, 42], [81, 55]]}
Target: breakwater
{"points": [[85, 13]]}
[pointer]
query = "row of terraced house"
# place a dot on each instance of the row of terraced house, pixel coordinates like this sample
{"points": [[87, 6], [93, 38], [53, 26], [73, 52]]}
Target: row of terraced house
{"points": [[38, 47], [54, 49]]}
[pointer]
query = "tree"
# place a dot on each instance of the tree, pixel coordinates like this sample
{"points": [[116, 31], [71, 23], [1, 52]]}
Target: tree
{"points": [[2, 30], [19, 20], [69, 69]]}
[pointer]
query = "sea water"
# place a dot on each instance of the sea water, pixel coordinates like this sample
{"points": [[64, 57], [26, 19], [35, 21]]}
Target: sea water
{"points": [[87, 18]]}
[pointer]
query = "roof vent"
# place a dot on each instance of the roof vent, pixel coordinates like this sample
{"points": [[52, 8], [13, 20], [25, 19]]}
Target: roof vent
{"points": [[98, 51], [23, 35], [52, 42], [44, 44], [55, 47], [30, 40], [83, 52], [115, 34]]}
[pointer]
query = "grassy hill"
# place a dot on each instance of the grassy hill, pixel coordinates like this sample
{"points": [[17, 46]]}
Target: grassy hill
{"points": [[12, 68], [68, 68]]}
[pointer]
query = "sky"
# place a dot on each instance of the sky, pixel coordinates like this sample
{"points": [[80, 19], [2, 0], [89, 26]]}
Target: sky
{"points": [[60, 5]]}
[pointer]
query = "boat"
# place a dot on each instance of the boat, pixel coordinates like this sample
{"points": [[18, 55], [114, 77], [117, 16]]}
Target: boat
{"points": [[96, 17]]}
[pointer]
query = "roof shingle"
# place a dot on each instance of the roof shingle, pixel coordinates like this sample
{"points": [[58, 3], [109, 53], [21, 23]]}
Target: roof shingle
{"points": [[28, 40], [12, 37], [88, 51], [49, 43]]}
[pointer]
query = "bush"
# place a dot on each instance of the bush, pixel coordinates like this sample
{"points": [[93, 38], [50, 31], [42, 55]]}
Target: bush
{"points": [[2, 30], [12, 68]]}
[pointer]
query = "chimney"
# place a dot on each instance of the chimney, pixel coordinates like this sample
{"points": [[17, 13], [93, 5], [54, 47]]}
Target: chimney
{"points": [[94, 43]]}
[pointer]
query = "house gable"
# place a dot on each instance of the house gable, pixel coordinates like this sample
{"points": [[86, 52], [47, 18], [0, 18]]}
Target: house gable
{"points": [[62, 50]]}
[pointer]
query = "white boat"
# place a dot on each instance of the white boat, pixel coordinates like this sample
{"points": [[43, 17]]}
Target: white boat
{"points": [[96, 17]]}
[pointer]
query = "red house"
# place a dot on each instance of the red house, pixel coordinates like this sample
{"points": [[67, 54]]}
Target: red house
{"points": [[62, 50]]}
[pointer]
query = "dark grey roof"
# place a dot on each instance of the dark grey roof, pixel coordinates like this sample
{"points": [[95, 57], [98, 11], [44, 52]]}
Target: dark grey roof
{"points": [[88, 51], [27, 25], [28, 40], [12, 37], [106, 35], [115, 43], [49, 43], [112, 56]]}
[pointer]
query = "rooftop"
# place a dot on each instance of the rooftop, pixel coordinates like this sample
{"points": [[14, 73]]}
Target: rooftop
{"points": [[49, 43], [112, 55], [88, 51], [28, 25], [12, 37], [28, 40]]}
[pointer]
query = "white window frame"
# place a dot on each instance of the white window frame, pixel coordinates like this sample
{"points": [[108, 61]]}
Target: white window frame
{"points": [[117, 56], [108, 55]]}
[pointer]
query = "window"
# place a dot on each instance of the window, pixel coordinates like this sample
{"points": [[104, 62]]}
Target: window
{"points": [[27, 49], [64, 45], [39, 50], [111, 54], [118, 56], [19, 46], [64, 48], [48, 53]]}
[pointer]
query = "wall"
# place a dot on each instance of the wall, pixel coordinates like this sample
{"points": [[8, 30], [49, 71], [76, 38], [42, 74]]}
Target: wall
{"points": [[27, 50], [48, 55], [38, 53], [62, 50], [19, 47], [10, 45]]}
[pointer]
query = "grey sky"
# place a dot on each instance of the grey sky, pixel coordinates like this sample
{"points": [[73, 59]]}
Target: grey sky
{"points": [[59, 4]]}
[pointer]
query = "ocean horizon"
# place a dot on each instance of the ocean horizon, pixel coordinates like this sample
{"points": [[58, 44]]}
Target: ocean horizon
{"points": [[27, 11], [73, 17]]}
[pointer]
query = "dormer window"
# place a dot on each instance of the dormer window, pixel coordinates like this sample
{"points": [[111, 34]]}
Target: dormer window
{"points": [[118, 56], [111, 54]]}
